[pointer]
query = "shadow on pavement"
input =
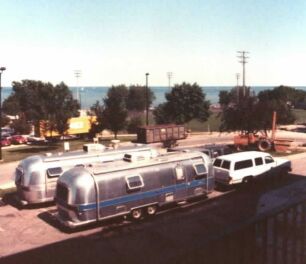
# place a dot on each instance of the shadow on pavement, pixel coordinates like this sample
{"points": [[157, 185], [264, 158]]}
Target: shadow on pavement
{"points": [[162, 239]]}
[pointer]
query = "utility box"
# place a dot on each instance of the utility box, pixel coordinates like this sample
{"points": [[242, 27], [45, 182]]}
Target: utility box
{"points": [[160, 133]]}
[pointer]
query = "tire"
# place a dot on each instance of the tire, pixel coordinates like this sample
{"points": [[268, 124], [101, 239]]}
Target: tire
{"points": [[136, 214], [247, 180], [151, 210], [283, 174], [264, 145], [240, 147]]}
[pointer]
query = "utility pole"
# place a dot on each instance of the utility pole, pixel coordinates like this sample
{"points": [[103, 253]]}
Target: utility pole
{"points": [[147, 100], [237, 78], [237, 86], [78, 74], [169, 74], [2, 69], [243, 60]]}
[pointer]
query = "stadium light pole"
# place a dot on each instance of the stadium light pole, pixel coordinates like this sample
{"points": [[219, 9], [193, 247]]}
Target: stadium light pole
{"points": [[147, 101], [2, 69]]}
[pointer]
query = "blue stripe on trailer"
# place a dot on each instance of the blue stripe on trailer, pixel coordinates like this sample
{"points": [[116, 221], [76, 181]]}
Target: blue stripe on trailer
{"points": [[143, 195]]}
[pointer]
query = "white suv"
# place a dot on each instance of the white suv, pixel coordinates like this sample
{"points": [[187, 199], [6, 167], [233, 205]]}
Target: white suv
{"points": [[243, 167]]}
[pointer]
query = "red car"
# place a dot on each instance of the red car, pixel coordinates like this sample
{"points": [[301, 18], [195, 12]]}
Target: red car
{"points": [[18, 139], [5, 141]]}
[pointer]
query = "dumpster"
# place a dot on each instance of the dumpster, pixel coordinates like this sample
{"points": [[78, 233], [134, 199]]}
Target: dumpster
{"points": [[161, 133]]}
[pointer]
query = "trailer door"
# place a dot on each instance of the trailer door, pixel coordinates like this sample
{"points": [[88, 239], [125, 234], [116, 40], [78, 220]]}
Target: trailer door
{"points": [[181, 183]]}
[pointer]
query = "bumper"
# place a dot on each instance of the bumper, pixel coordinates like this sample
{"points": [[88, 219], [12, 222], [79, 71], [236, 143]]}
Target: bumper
{"points": [[28, 195]]}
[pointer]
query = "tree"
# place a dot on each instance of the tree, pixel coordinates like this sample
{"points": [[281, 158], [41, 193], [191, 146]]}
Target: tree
{"points": [[240, 113], [136, 100], [184, 103], [36, 101], [115, 112], [61, 107], [134, 123], [243, 110], [274, 100], [160, 115], [99, 125], [5, 120], [21, 126]]}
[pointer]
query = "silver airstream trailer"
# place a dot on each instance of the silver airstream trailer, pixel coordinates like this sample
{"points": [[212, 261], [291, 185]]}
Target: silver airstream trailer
{"points": [[133, 186], [36, 176]]}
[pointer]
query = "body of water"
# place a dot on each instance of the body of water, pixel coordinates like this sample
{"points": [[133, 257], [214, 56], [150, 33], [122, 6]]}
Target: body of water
{"points": [[89, 95]]}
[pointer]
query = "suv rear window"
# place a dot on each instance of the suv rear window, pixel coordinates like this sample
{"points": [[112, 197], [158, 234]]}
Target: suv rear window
{"points": [[217, 162], [243, 164]]}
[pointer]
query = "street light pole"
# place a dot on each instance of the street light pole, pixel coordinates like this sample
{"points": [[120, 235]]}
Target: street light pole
{"points": [[2, 69], [147, 100]]}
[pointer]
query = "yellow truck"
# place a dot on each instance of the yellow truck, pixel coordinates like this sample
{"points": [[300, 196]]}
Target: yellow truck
{"points": [[77, 126]]}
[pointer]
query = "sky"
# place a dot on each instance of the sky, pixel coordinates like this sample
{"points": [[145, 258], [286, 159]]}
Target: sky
{"points": [[119, 41]]}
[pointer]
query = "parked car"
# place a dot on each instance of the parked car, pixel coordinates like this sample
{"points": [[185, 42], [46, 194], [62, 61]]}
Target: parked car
{"points": [[18, 139], [35, 140], [5, 141], [243, 167], [211, 150]]}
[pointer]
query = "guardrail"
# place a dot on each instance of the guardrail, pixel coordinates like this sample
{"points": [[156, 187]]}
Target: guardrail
{"points": [[276, 238]]}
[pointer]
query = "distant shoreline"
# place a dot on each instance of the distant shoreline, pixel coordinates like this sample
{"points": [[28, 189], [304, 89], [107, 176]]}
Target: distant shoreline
{"points": [[90, 94]]}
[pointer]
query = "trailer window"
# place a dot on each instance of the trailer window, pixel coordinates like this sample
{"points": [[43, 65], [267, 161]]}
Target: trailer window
{"points": [[217, 162], [134, 182], [54, 172], [200, 170], [179, 172], [243, 164]]}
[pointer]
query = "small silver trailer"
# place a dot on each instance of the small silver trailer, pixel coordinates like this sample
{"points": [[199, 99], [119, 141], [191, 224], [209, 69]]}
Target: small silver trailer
{"points": [[36, 176], [133, 186]]}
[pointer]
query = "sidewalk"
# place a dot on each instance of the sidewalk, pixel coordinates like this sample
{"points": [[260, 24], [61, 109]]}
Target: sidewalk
{"points": [[7, 171]]}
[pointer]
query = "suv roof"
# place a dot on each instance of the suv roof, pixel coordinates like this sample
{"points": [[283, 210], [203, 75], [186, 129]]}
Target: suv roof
{"points": [[245, 154]]}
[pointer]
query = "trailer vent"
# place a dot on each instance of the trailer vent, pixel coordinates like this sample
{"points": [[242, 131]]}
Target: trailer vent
{"points": [[93, 147], [54, 172], [136, 156]]}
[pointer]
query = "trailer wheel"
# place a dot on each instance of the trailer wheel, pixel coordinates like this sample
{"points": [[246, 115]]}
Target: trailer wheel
{"points": [[151, 210], [136, 214], [264, 145]]}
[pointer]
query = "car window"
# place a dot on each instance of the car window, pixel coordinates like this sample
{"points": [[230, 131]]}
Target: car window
{"points": [[268, 159], [258, 161], [217, 162], [226, 164], [243, 164]]}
